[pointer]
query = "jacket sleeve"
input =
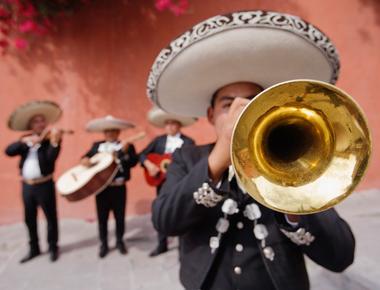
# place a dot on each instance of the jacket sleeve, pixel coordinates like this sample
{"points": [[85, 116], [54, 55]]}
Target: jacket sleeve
{"points": [[191, 141], [16, 148], [174, 211], [128, 159], [92, 151], [151, 148], [334, 245], [52, 152]]}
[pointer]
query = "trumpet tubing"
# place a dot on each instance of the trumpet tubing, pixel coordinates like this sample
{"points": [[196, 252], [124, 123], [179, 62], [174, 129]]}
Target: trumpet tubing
{"points": [[300, 147]]}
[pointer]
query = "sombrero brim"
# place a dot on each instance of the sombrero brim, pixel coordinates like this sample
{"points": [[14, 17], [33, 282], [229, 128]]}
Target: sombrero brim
{"points": [[20, 118], [158, 117], [102, 124], [255, 46]]}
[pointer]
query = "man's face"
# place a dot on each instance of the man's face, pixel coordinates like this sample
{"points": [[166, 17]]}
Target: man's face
{"points": [[223, 99], [111, 134], [172, 127], [37, 124]]}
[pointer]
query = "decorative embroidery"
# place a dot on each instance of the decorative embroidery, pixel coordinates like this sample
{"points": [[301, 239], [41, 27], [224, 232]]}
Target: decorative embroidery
{"points": [[259, 18], [207, 196], [253, 213], [300, 237]]}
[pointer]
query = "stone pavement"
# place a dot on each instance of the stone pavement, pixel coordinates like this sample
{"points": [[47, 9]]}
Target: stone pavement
{"points": [[79, 268]]}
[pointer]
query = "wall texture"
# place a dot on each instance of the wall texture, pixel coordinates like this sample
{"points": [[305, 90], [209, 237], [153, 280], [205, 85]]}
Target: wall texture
{"points": [[97, 63]]}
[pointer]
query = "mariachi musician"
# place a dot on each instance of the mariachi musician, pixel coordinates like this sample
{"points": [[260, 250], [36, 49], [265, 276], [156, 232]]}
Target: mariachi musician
{"points": [[113, 197], [39, 150], [164, 144], [228, 240]]}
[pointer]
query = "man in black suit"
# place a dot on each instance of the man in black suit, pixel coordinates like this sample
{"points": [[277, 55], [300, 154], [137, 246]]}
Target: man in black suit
{"points": [[38, 156], [114, 196], [167, 143], [228, 240]]}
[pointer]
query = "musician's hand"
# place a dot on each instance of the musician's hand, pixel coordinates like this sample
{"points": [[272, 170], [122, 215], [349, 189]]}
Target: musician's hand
{"points": [[219, 158], [86, 162], [55, 136], [30, 140], [152, 168], [125, 147], [293, 218]]}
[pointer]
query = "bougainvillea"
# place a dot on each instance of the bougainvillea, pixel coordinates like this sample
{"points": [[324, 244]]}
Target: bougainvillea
{"points": [[21, 21]]}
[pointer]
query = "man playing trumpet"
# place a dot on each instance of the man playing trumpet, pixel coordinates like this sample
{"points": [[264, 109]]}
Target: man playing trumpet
{"points": [[227, 239], [38, 153]]}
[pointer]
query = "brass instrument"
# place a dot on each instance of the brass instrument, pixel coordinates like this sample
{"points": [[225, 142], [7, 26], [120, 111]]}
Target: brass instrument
{"points": [[300, 147]]}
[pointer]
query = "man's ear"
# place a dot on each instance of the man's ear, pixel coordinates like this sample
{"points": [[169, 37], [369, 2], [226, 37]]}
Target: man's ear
{"points": [[210, 115]]}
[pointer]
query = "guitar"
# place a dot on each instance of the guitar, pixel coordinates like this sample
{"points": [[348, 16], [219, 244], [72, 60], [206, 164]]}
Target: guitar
{"points": [[82, 181], [162, 161]]}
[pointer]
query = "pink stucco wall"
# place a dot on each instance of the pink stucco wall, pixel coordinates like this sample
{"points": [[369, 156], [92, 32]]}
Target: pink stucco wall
{"points": [[98, 62]]}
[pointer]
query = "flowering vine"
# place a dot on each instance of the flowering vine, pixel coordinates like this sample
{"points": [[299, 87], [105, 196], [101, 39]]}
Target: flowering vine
{"points": [[23, 20]]}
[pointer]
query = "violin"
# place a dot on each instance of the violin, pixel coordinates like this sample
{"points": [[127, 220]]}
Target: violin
{"points": [[45, 135]]}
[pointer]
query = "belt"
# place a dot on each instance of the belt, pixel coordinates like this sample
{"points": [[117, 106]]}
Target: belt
{"points": [[40, 180], [117, 182]]}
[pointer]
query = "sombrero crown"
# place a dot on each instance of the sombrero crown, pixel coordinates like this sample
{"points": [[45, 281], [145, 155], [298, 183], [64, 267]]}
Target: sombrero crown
{"points": [[255, 46], [21, 116], [158, 117]]}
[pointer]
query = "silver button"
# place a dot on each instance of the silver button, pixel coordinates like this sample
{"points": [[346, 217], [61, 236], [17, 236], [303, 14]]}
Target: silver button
{"points": [[237, 270], [240, 225], [239, 247]]}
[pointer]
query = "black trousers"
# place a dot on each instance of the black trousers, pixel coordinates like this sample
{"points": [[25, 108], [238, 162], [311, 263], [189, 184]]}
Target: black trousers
{"points": [[42, 195], [162, 238], [113, 198]]}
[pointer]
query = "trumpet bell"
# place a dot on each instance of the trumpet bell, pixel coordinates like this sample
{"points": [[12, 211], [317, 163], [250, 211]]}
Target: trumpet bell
{"points": [[300, 147]]}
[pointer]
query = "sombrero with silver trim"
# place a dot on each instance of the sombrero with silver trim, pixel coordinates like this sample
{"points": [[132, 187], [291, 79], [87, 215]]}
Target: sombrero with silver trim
{"points": [[255, 46], [158, 117], [20, 118], [108, 123]]}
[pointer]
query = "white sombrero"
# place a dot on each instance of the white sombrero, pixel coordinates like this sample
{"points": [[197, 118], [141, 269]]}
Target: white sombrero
{"points": [[108, 123], [20, 118], [158, 117], [258, 46]]}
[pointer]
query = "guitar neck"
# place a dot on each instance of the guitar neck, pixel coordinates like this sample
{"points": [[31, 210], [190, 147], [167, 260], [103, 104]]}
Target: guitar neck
{"points": [[133, 138]]}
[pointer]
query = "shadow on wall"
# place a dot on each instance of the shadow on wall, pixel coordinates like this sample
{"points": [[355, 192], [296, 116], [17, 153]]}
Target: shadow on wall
{"points": [[100, 58], [375, 4]]}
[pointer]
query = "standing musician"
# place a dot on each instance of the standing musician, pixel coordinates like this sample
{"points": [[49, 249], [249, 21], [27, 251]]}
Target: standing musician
{"points": [[38, 151], [167, 143], [228, 240], [113, 197]]}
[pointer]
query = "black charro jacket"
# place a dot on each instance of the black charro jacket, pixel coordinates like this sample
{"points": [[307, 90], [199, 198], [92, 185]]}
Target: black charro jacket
{"points": [[175, 213], [127, 159], [47, 155]]}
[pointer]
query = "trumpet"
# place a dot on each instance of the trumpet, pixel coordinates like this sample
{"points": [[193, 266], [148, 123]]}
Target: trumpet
{"points": [[300, 147]]}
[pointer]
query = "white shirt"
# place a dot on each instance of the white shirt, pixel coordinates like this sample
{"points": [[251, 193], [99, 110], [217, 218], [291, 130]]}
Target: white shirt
{"points": [[31, 168], [109, 147], [173, 142]]}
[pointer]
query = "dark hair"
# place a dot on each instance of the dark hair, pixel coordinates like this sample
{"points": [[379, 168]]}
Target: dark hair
{"points": [[213, 98], [215, 94]]}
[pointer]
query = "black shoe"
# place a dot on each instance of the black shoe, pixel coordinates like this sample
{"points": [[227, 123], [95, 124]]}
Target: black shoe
{"points": [[121, 247], [103, 251], [158, 251], [54, 254], [32, 254]]}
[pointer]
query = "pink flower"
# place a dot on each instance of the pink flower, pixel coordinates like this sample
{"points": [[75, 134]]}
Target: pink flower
{"points": [[20, 43], [163, 4], [179, 8], [27, 26]]}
